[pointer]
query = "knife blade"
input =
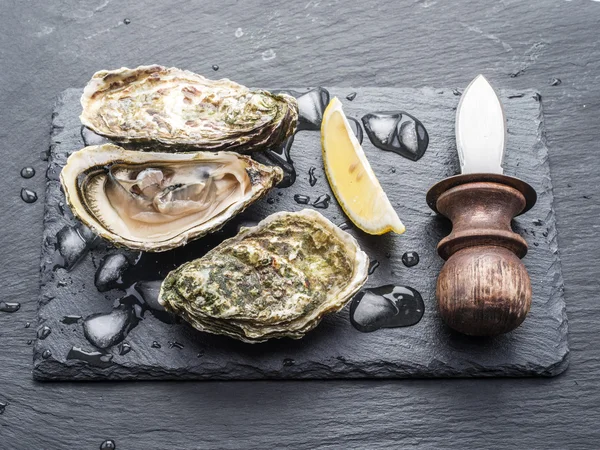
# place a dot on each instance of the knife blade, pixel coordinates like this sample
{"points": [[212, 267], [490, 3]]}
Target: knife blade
{"points": [[480, 129]]}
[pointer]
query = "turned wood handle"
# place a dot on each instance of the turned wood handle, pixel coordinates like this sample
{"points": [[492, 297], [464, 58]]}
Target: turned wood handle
{"points": [[484, 288]]}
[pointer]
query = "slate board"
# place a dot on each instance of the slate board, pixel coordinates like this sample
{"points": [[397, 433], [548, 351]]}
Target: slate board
{"points": [[334, 349]]}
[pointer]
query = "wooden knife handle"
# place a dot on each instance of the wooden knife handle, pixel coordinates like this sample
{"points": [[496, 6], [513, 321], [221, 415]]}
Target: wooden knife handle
{"points": [[484, 288]]}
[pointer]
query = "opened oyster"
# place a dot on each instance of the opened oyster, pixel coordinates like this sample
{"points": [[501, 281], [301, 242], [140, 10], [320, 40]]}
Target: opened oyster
{"points": [[277, 279], [182, 109], [157, 201]]}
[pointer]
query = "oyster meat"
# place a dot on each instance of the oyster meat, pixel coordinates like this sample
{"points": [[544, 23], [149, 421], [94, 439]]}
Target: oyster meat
{"points": [[277, 279], [158, 201], [178, 108]]}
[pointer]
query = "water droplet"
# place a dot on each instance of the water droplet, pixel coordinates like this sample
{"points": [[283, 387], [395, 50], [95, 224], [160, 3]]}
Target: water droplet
{"points": [[2, 407], [73, 244], [322, 201], [71, 319], [538, 222], [93, 358], [386, 307], [270, 201], [281, 158], [28, 196], [27, 172], [29, 342], [373, 265], [156, 345], [312, 179], [302, 199], [345, 226], [351, 96], [356, 129], [555, 81], [106, 330], [45, 154], [388, 254], [110, 272], [215, 67], [393, 170], [268, 55], [239, 33], [288, 362], [9, 307], [410, 259], [456, 92], [124, 348], [175, 345], [398, 132], [27, 325], [44, 332], [108, 445], [91, 138], [311, 107], [47, 354], [126, 21], [200, 354]]}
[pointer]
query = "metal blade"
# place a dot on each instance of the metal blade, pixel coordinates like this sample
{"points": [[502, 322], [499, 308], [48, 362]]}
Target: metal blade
{"points": [[480, 129]]}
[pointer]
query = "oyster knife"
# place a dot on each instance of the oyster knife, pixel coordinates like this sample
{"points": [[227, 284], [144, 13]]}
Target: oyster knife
{"points": [[483, 288]]}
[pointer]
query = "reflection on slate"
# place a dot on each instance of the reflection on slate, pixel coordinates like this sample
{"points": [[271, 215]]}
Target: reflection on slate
{"points": [[99, 317]]}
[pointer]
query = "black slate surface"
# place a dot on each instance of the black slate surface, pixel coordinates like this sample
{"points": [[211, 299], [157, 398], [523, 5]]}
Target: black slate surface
{"points": [[335, 349], [517, 45]]}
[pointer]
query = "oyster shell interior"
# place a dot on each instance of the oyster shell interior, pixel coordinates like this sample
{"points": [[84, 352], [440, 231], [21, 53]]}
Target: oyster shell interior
{"points": [[157, 201], [176, 107], [277, 279]]}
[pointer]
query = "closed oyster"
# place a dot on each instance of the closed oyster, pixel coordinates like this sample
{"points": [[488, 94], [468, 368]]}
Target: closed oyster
{"points": [[158, 201], [277, 279], [178, 108]]}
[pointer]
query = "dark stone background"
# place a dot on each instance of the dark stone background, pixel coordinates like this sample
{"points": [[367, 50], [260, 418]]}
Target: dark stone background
{"points": [[49, 46]]}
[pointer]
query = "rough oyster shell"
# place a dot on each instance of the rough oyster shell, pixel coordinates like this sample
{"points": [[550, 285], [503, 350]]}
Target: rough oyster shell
{"points": [[277, 279], [158, 201], [178, 108]]}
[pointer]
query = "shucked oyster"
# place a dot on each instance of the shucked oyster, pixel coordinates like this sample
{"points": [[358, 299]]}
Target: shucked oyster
{"points": [[157, 201], [277, 279], [180, 108]]}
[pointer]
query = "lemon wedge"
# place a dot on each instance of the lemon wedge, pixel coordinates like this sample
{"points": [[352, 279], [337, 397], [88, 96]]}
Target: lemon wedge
{"points": [[351, 178]]}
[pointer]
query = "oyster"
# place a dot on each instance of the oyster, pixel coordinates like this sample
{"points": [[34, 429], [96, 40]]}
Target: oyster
{"points": [[178, 108], [277, 279], [157, 201]]}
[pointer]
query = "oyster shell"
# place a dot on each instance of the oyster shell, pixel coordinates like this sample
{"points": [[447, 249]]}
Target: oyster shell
{"points": [[277, 279], [157, 201], [178, 108]]}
